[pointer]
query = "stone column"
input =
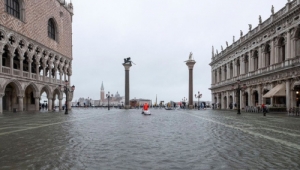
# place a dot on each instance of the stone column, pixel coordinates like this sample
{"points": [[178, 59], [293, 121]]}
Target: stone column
{"points": [[249, 97], [227, 100], [277, 53], [127, 68], [50, 74], [293, 47], [228, 71], [11, 63], [288, 45], [271, 99], [55, 75], [233, 99], [242, 104], [222, 73], [60, 77], [259, 57], [272, 53], [190, 63], [263, 60], [49, 104], [29, 68], [292, 94], [218, 75], [259, 94], [288, 92], [212, 77], [1, 103], [20, 98], [37, 70], [69, 79], [60, 104], [37, 103], [21, 66], [53, 103], [44, 71], [1, 53]]}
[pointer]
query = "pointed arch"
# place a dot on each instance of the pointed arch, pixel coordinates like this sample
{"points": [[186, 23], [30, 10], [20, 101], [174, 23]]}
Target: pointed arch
{"points": [[47, 90], [17, 84], [34, 87]]}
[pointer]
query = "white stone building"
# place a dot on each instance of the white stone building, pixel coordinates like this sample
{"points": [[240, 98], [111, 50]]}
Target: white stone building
{"points": [[266, 61]]}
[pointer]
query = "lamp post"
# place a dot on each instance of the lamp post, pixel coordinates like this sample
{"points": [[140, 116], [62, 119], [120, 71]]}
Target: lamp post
{"points": [[109, 96], [67, 89], [238, 90], [183, 101], [198, 96]]}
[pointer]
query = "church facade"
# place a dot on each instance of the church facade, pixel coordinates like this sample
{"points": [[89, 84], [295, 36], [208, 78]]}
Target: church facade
{"points": [[36, 51], [265, 61]]}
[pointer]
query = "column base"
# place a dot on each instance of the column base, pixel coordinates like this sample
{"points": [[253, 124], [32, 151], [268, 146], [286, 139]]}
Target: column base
{"points": [[127, 106], [191, 106]]}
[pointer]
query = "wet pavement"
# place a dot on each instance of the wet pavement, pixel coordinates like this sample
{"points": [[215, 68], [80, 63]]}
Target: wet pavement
{"points": [[168, 139]]}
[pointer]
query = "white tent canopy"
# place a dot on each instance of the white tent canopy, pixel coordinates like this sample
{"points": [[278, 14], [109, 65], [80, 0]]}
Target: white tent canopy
{"points": [[278, 90]]}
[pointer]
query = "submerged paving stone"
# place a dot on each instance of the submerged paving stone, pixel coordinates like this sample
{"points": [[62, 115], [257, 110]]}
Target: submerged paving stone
{"points": [[126, 139]]}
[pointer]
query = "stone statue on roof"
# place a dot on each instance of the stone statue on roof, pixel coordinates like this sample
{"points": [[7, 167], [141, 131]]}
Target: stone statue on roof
{"points": [[272, 10], [259, 19]]}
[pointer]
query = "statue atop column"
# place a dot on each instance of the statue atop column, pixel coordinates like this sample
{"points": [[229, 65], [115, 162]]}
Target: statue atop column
{"points": [[191, 56]]}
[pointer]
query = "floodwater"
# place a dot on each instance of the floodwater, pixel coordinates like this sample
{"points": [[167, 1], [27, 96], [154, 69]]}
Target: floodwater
{"points": [[168, 139]]}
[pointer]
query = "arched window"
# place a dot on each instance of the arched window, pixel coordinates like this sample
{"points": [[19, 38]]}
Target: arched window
{"points": [[281, 56], [267, 55], [51, 29], [246, 64], [255, 60], [13, 8], [238, 67]]}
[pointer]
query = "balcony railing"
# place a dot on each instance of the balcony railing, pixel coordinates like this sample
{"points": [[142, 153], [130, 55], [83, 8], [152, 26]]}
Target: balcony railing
{"points": [[25, 74], [5, 70], [16, 72]]}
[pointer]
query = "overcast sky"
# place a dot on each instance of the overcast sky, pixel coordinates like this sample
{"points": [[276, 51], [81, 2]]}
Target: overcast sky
{"points": [[158, 35]]}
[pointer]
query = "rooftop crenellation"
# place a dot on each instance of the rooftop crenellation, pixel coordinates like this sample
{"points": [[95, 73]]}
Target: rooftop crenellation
{"points": [[68, 6]]}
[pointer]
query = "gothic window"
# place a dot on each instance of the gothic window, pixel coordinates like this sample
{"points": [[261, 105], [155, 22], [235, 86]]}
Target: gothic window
{"points": [[13, 8], [51, 29]]}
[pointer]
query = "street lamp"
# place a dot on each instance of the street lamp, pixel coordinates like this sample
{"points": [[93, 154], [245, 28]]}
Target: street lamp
{"points": [[198, 96], [67, 89], [238, 90], [183, 101], [109, 96]]}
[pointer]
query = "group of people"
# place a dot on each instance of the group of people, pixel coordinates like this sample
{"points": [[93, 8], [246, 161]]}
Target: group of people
{"points": [[43, 106]]}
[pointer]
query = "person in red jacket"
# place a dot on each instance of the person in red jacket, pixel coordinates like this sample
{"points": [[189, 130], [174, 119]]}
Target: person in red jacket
{"points": [[146, 106]]}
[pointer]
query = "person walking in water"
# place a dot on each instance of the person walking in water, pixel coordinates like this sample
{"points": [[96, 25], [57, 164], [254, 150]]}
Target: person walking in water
{"points": [[263, 109]]}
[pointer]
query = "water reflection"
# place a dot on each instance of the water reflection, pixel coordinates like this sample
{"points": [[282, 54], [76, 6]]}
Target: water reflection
{"points": [[125, 139]]}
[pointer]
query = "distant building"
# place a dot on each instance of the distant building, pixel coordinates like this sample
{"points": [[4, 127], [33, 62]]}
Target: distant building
{"points": [[139, 102], [116, 100]]}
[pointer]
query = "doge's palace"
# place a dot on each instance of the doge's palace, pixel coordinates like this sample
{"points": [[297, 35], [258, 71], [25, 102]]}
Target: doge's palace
{"points": [[266, 60], [36, 50]]}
